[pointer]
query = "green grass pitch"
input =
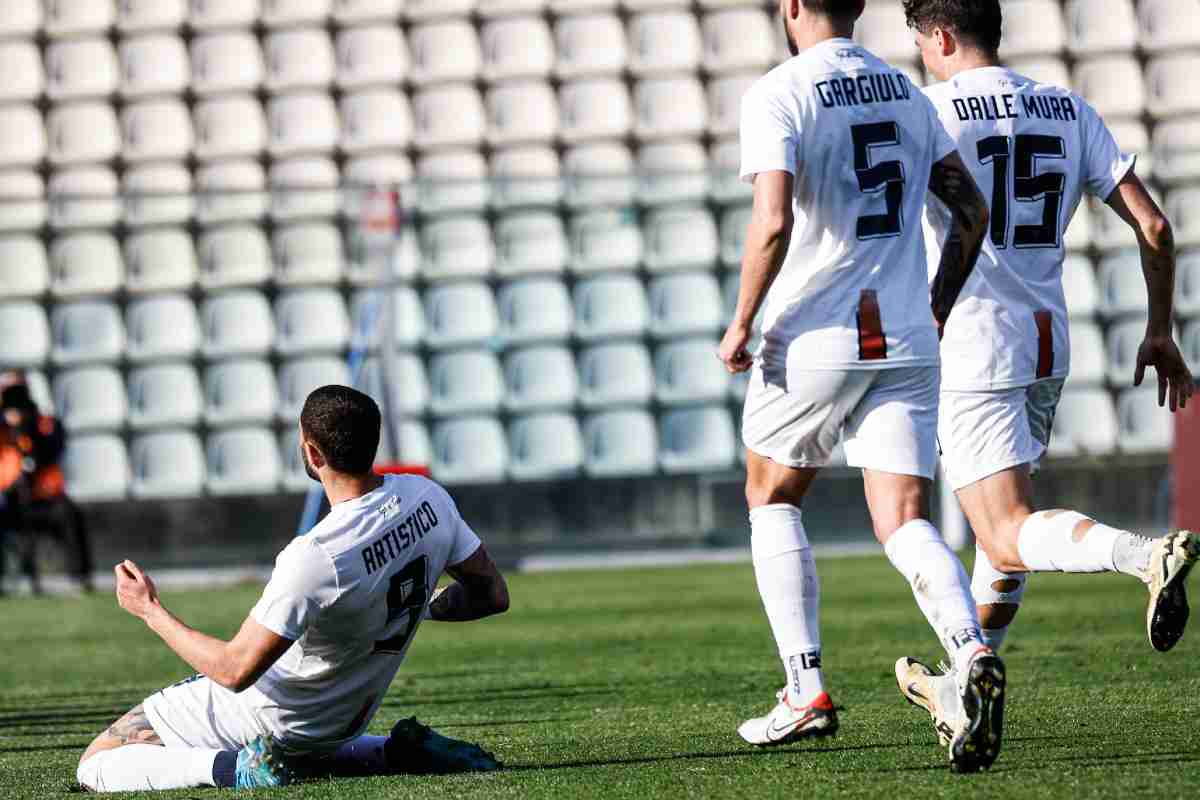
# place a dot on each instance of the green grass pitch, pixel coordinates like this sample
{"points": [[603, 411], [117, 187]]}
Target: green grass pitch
{"points": [[631, 683]]}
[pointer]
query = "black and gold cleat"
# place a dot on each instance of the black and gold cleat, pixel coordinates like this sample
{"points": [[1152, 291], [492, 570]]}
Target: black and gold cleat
{"points": [[1171, 560], [976, 745]]}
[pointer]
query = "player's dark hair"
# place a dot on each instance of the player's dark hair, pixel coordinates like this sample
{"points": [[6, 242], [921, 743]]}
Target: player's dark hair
{"points": [[977, 21], [839, 9], [344, 424]]}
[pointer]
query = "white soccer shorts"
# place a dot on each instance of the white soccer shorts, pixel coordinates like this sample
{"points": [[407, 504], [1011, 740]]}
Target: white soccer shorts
{"points": [[200, 713], [985, 432], [886, 418]]}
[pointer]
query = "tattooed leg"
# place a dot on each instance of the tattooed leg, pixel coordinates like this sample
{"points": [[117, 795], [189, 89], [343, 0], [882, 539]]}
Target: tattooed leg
{"points": [[133, 728]]}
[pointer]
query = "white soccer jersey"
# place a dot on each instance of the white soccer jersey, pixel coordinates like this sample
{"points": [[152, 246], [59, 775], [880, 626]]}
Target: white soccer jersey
{"points": [[352, 593], [1033, 149], [860, 141]]}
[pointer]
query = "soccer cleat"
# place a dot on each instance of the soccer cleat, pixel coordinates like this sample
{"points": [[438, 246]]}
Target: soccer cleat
{"points": [[413, 748], [260, 763], [933, 691], [976, 742], [787, 724], [1171, 560]]}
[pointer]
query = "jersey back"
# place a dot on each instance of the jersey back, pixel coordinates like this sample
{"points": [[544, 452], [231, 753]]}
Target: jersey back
{"points": [[860, 141], [1033, 149], [352, 593]]}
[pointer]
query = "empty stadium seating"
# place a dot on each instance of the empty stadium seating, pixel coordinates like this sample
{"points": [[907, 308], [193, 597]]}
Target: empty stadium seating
{"points": [[615, 374], [544, 446], [242, 461], [620, 442], [164, 395], [166, 464], [538, 378], [469, 450]]}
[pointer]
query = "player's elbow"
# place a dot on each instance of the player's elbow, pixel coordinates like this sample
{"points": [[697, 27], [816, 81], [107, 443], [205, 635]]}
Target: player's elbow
{"points": [[499, 600], [1159, 234]]}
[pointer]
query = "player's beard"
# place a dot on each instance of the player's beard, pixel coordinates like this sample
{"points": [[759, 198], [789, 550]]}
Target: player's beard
{"points": [[787, 36], [308, 467]]}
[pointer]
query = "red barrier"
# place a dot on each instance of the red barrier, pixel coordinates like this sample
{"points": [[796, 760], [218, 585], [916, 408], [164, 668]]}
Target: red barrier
{"points": [[1185, 463]]}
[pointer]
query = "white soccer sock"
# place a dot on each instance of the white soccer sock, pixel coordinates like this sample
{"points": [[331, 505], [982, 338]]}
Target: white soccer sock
{"points": [[790, 591], [135, 767], [363, 754], [984, 580], [940, 586], [1046, 543]]}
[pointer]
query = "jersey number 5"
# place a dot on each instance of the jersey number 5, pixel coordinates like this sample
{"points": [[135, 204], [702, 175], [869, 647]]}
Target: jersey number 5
{"points": [[407, 593], [886, 177], [1028, 187]]}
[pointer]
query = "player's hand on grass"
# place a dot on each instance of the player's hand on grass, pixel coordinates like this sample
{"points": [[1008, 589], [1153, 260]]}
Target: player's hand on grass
{"points": [[136, 593], [733, 352], [1175, 385]]}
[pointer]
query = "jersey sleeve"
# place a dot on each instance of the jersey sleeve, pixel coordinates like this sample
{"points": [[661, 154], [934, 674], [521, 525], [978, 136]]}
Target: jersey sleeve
{"points": [[463, 541], [770, 134], [302, 584], [1103, 163]]}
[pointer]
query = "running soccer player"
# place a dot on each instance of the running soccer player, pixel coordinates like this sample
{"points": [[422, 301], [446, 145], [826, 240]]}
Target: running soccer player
{"points": [[1035, 149], [841, 149], [292, 693]]}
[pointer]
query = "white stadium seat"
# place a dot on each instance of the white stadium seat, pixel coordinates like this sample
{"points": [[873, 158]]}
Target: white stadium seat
{"points": [[371, 55], [1176, 149], [166, 465], [1042, 69], [289, 13], [589, 45], [563, 7], [1168, 24], [595, 108], [347, 12], [153, 64], [1112, 84], [84, 197], [298, 58], [681, 238], [21, 75], [157, 194], [687, 371], [90, 399], [1181, 209], [228, 191], [135, 16], [521, 112], [24, 205], [616, 374], [236, 323], [453, 181], [434, 9], [214, 14], [304, 187], [161, 326], [240, 391], [883, 31], [669, 107], [1032, 27], [67, 18], [292, 475], [159, 260], [1143, 426], [363, 172], [540, 377], [444, 52], [375, 119], [1092, 31], [156, 130], [299, 377], [229, 126], [85, 264], [469, 450], [226, 61], [1171, 84], [516, 47], [1079, 284], [96, 468], [696, 439], [1089, 361], [242, 461], [24, 270], [1085, 424], [465, 382], [86, 331], [1109, 231], [164, 395], [304, 122], [609, 306], [310, 320], [605, 240], [1122, 341], [81, 68], [684, 303], [367, 267], [409, 384], [83, 132], [544, 447], [737, 39], [22, 137], [674, 171], [457, 247], [733, 234], [530, 242], [1187, 283], [725, 103], [233, 255], [448, 116], [621, 442], [24, 333], [1189, 343], [1122, 287], [664, 42], [490, 9], [537, 309], [460, 314], [525, 176], [600, 174], [22, 19], [307, 253]]}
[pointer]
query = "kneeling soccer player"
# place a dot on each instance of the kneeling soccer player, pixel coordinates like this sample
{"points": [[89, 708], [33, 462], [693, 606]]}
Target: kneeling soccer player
{"points": [[290, 696]]}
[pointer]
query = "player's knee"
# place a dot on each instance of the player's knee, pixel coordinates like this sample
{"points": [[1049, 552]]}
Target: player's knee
{"points": [[87, 770], [765, 494]]}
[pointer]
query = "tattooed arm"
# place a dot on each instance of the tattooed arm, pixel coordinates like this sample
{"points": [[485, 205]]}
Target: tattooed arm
{"points": [[953, 185], [478, 591]]}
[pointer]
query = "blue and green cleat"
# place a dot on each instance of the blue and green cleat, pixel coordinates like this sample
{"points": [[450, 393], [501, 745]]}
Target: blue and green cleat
{"points": [[261, 763], [416, 749]]}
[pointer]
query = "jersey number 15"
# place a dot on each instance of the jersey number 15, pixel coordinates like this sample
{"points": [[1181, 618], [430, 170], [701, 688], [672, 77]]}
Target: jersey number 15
{"points": [[1027, 187]]}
